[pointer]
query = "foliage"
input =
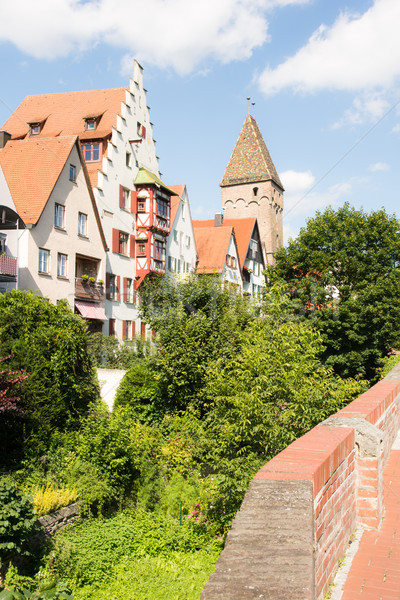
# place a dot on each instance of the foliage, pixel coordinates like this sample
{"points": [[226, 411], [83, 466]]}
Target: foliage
{"points": [[389, 363], [343, 269], [17, 520], [196, 321], [50, 498], [139, 390], [19, 587], [108, 353], [10, 382], [49, 342], [93, 552]]}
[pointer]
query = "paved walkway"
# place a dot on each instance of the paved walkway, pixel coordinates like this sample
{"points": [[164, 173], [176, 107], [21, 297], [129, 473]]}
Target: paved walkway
{"points": [[375, 571], [109, 380]]}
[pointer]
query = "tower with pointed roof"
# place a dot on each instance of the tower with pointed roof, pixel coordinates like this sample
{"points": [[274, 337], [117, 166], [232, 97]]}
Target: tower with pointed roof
{"points": [[251, 187]]}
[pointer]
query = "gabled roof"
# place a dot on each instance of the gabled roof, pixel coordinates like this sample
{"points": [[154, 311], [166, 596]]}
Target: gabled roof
{"points": [[212, 245], [176, 200], [146, 177], [243, 231], [64, 114], [31, 168], [250, 160]]}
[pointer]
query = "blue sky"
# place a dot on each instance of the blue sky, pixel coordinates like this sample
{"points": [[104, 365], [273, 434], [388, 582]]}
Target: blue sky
{"points": [[324, 76]]}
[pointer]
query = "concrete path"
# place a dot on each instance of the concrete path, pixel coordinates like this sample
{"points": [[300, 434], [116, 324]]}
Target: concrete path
{"points": [[375, 570], [109, 380]]}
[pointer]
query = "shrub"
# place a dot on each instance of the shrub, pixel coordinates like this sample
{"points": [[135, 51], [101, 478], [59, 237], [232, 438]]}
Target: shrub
{"points": [[50, 498]]}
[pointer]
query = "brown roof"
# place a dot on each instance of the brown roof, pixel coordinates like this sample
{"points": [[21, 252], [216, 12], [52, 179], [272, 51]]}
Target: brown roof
{"points": [[31, 168], [64, 114], [250, 160], [212, 245], [243, 230]]}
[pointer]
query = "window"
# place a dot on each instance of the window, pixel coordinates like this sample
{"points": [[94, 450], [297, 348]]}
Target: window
{"points": [[159, 250], [3, 244], [72, 172], [113, 289], [187, 241], [61, 265], [255, 191], [59, 214], [91, 152], [141, 205], [90, 124], [123, 243], [127, 333], [128, 159], [130, 297], [162, 208], [171, 264], [44, 260], [141, 249], [126, 199], [175, 235], [82, 224], [34, 128]]}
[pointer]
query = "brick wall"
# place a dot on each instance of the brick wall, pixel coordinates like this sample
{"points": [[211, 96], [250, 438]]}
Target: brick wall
{"points": [[303, 505]]}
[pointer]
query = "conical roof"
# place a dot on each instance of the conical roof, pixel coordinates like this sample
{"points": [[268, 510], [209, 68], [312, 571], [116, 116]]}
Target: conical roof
{"points": [[250, 160]]}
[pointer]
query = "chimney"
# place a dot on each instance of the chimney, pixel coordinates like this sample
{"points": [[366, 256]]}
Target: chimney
{"points": [[4, 138], [218, 219]]}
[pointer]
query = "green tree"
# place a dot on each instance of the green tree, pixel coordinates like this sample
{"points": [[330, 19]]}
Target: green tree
{"points": [[343, 270], [197, 321], [50, 343]]}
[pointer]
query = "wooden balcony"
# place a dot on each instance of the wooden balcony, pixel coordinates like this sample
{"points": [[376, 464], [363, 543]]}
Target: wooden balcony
{"points": [[89, 291], [8, 268]]}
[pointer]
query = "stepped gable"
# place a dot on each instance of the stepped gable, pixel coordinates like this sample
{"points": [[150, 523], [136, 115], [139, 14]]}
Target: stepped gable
{"points": [[31, 168], [250, 160]]}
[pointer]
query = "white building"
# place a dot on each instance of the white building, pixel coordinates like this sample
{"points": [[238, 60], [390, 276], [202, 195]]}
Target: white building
{"points": [[181, 244], [50, 225]]}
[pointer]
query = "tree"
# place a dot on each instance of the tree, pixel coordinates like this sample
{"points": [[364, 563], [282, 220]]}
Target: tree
{"points": [[343, 270], [50, 343], [197, 321]]}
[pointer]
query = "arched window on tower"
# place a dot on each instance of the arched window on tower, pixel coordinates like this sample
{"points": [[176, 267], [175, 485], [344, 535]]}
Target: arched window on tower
{"points": [[255, 191]]}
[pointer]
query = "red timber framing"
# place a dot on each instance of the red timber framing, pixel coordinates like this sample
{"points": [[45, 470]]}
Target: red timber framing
{"points": [[152, 227]]}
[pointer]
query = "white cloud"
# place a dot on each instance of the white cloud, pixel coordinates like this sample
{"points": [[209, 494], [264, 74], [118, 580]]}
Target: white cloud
{"points": [[379, 166], [358, 52], [167, 33], [370, 106], [396, 128]]}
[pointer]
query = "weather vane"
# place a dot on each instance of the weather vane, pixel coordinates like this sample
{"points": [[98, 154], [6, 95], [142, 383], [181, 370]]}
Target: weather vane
{"points": [[248, 104], [253, 104]]}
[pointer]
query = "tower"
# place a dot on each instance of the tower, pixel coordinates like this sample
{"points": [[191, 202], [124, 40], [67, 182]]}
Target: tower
{"points": [[251, 187]]}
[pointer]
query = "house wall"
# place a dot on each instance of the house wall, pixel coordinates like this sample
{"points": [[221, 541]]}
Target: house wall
{"points": [[232, 274], [239, 202], [181, 246], [76, 198], [114, 172]]}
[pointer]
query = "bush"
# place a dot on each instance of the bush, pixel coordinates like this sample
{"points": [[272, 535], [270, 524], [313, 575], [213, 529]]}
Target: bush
{"points": [[50, 498], [17, 521]]}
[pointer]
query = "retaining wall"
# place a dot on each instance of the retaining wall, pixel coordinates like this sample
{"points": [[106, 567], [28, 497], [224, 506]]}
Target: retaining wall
{"points": [[302, 506]]}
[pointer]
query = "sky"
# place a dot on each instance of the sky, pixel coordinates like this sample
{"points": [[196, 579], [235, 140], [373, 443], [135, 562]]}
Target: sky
{"points": [[324, 77]]}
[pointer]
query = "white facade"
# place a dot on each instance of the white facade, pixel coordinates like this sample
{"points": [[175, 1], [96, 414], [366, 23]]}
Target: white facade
{"points": [[181, 246], [231, 271], [126, 151]]}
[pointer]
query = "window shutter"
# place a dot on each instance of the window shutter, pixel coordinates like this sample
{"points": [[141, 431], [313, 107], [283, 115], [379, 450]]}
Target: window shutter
{"points": [[118, 280], [115, 240], [143, 330], [123, 330], [134, 201], [121, 196], [124, 289], [111, 327], [132, 246], [108, 286], [133, 329], [143, 131]]}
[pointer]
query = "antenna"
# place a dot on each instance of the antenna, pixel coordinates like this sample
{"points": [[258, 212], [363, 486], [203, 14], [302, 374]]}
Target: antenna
{"points": [[248, 104]]}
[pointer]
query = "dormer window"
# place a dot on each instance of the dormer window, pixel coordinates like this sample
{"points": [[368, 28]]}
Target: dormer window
{"points": [[34, 128], [90, 124]]}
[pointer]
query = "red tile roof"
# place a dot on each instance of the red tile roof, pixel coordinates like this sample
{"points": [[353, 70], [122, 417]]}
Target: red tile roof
{"points": [[212, 245], [64, 114], [250, 160], [243, 230], [31, 168], [176, 200]]}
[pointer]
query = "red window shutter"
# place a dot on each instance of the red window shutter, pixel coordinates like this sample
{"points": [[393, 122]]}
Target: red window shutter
{"points": [[115, 240], [143, 330], [143, 131], [153, 334], [123, 330], [133, 329], [121, 196], [132, 246], [134, 201], [124, 289], [108, 286], [111, 327], [118, 278]]}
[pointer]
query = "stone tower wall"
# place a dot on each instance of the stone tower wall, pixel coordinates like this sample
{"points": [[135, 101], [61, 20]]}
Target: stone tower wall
{"points": [[262, 200]]}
